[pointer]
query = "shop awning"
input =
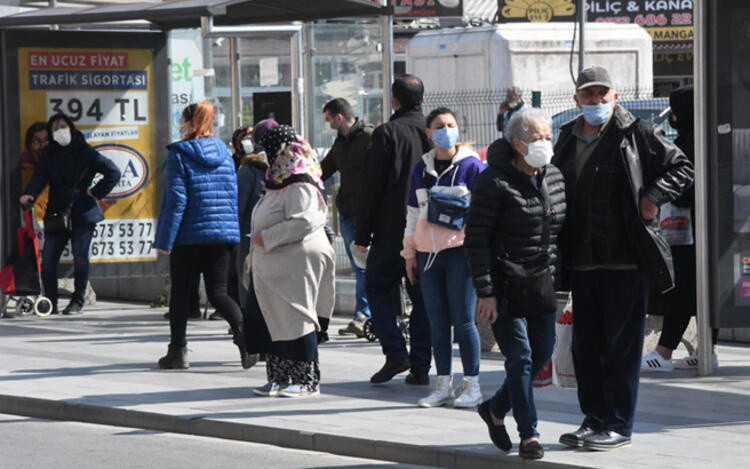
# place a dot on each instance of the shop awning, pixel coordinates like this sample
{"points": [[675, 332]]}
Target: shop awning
{"points": [[187, 13]]}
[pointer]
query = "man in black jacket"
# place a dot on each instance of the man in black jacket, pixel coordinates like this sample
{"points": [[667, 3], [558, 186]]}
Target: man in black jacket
{"points": [[396, 148], [347, 156], [618, 170]]}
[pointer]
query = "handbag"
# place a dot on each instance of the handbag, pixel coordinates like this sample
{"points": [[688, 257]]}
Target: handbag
{"points": [[54, 222], [528, 292], [528, 288], [446, 210]]}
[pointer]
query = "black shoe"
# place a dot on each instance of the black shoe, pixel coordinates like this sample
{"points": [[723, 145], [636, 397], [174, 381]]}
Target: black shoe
{"points": [[531, 450], [498, 433], [575, 439], [73, 308], [175, 359], [389, 370], [606, 441], [247, 359], [215, 316], [323, 337], [193, 315], [417, 379]]}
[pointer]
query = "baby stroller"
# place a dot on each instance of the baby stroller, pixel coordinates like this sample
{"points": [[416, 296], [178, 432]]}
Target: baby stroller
{"points": [[402, 320], [20, 278]]}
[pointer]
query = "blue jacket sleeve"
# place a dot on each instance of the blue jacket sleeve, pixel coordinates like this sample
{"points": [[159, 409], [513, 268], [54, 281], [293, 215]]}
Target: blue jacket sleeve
{"points": [[172, 205], [473, 171]]}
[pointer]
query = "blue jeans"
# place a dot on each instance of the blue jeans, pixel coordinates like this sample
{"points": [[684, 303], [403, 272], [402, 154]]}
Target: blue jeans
{"points": [[347, 232], [450, 300], [527, 345], [385, 269], [54, 244]]}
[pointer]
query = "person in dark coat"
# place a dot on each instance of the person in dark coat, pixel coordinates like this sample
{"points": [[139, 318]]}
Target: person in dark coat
{"points": [[347, 157], [397, 146], [618, 170], [68, 165], [197, 229], [249, 188], [517, 210], [679, 304]]}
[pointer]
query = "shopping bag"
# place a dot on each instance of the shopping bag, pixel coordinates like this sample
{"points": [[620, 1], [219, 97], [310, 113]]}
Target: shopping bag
{"points": [[563, 372], [676, 225]]}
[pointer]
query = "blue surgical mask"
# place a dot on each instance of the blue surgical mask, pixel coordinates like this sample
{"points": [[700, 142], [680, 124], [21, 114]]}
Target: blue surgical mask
{"points": [[598, 114], [445, 138]]}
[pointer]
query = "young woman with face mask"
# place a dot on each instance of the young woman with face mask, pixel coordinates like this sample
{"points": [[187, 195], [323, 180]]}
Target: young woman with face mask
{"points": [[517, 210], [435, 258], [68, 166], [198, 228]]}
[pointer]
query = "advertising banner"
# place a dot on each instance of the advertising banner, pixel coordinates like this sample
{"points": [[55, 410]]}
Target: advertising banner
{"points": [[428, 8], [109, 95], [667, 21]]}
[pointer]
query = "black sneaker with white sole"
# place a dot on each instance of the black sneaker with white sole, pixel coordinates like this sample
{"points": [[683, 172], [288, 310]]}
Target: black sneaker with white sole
{"points": [[606, 441]]}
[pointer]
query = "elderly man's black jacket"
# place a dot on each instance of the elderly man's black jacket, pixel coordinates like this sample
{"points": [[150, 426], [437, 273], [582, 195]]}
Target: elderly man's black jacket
{"points": [[653, 166]]}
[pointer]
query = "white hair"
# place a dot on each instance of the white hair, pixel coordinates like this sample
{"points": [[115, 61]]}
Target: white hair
{"points": [[522, 121]]}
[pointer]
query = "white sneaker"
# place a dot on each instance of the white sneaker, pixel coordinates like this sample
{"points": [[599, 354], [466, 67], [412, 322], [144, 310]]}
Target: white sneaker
{"points": [[297, 390], [471, 393], [443, 393], [655, 362], [691, 362], [270, 389]]}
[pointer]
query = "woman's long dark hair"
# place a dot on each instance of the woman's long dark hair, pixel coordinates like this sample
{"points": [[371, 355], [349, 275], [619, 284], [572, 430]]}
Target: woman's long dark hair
{"points": [[57, 117]]}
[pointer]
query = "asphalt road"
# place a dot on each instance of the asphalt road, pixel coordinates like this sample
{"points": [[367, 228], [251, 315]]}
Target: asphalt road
{"points": [[34, 443]]}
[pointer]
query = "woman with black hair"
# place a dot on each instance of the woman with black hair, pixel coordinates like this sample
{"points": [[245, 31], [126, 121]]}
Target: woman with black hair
{"points": [[69, 165]]}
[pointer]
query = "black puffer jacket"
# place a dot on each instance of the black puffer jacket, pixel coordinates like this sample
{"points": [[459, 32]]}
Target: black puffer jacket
{"points": [[507, 217]]}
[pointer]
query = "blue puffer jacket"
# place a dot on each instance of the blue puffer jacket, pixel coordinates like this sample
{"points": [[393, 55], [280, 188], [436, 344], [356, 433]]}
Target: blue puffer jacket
{"points": [[200, 198]]}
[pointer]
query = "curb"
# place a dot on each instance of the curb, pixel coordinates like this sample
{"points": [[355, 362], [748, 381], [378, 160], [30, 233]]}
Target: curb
{"points": [[295, 439]]}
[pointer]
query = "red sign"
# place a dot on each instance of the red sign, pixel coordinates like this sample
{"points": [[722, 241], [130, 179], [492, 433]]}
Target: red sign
{"points": [[78, 60]]}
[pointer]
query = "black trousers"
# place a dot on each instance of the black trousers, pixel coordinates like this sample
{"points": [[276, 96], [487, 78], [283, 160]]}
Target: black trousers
{"points": [[609, 318], [674, 328], [186, 263]]}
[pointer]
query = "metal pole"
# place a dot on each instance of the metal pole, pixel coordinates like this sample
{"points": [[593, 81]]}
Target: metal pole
{"points": [[295, 58], [386, 33], [53, 4], [234, 71], [581, 36], [307, 82], [700, 68]]}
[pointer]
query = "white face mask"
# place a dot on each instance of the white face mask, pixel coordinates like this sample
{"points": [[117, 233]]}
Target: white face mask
{"points": [[540, 153], [62, 136], [247, 145]]}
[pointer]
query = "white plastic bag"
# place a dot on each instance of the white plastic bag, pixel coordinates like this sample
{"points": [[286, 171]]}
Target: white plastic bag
{"points": [[563, 372], [676, 225]]}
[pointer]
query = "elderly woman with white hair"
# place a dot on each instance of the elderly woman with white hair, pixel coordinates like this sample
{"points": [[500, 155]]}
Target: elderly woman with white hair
{"points": [[517, 209]]}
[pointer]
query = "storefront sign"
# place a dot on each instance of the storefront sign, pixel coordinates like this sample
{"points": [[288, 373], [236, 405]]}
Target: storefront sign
{"points": [[427, 8], [109, 95], [667, 21]]}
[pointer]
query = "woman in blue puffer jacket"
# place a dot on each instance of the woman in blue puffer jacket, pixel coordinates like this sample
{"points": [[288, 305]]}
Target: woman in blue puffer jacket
{"points": [[198, 227]]}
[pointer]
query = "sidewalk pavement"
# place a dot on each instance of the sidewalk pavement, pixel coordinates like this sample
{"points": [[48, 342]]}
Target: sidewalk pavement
{"points": [[101, 367]]}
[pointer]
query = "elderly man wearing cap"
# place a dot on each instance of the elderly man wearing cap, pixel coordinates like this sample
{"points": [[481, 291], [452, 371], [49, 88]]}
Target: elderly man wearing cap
{"points": [[618, 170]]}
